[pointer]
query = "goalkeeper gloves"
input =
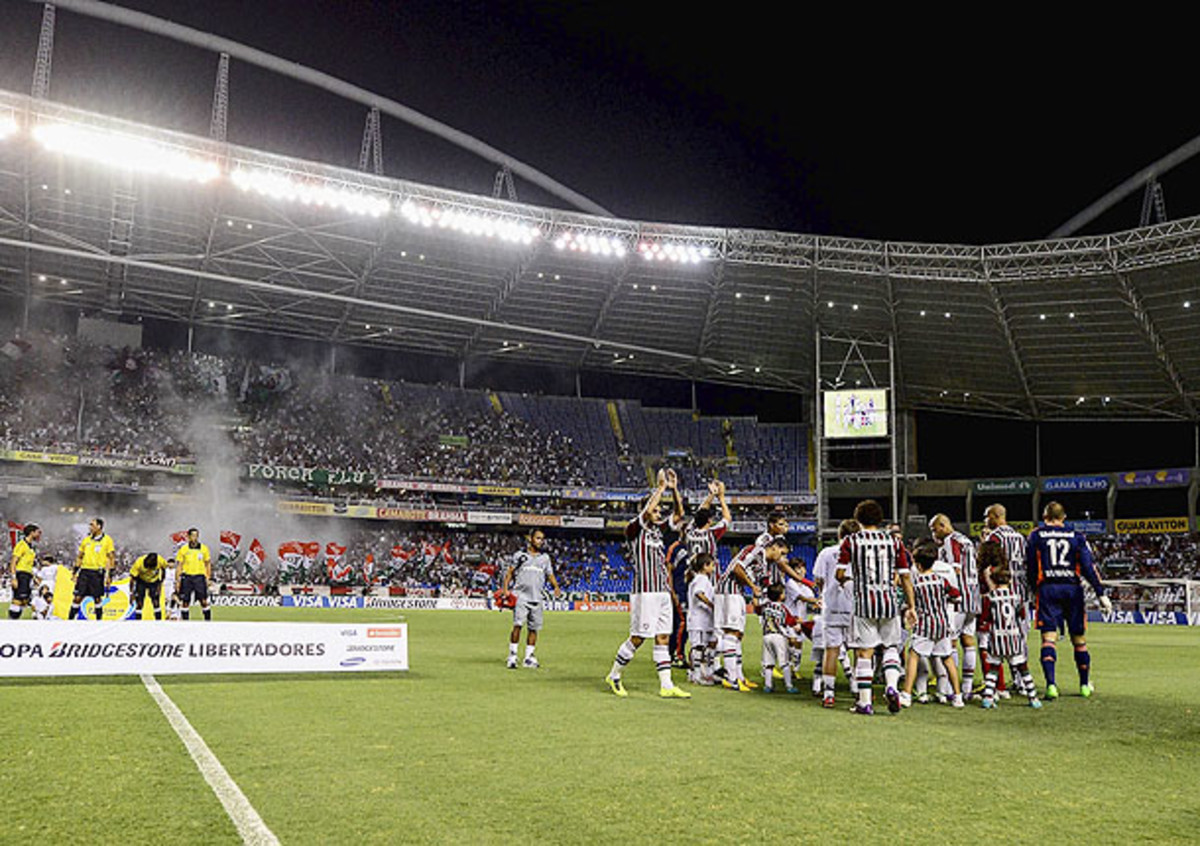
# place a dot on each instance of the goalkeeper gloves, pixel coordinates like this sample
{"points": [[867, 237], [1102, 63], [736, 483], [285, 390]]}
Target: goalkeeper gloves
{"points": [[1106, 605]]}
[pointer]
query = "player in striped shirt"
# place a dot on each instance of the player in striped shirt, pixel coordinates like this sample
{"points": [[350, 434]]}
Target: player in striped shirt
{"points": [[1001, 619], [933, 593], [773, 571], [777, 624], [959, 552], [701, 534], [875, 560], [730, 610], [650, 601], [997, 530]]}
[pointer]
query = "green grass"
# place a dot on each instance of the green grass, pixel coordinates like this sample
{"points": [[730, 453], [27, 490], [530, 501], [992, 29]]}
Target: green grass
{"points": [[462, 750]]}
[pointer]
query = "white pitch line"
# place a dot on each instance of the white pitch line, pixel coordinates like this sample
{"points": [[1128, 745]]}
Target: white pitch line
{"points": [[249, 824]]}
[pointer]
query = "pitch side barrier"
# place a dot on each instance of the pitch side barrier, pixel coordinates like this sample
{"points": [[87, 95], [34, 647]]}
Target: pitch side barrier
{"points": [[416, 603], [91, 648]]}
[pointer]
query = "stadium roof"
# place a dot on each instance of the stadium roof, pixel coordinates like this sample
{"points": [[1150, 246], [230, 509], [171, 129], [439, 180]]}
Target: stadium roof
{"points": [[104, 215]]}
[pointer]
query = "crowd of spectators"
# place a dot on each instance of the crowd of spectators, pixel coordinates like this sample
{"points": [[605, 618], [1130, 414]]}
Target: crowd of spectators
{"points": [[1165, 556]]}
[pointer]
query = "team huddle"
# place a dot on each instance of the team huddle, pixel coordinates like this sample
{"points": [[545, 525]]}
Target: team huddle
{"points": [[882, 612], [181, 579]]}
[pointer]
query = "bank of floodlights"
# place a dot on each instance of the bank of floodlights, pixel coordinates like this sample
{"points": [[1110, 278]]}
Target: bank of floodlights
{"points": [[124, 151], [479, 224], [589, 242], [8, 126], [673, 252], [311, 191]]}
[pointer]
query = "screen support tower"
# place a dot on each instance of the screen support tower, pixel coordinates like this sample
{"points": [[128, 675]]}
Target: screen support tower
{"points": [[847, 467]]}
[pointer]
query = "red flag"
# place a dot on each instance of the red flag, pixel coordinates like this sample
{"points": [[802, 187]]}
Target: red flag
{"points": [[256, 555], [335, 560], [15, 531], [369, 569]]}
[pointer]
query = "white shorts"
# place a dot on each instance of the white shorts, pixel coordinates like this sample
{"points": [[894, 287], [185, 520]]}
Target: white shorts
{"points": [[730, 612], [774, 650], [701, 637], [818, 632], [869, 632], [650, 614], [964, 624], [835, 631], [932, 648]]}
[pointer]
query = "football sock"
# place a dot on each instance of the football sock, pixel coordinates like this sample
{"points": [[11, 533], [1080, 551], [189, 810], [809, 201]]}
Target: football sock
{"points": [[891, 666], [740, 674], [729, 657], [1049, 656], [185, 614], [99, 612], [968, 669], [818, 656], [864, 673], [989, 681], [787, 675], [624, 656], [697, 660], [1000, 678], [921, 682], [662, 663], [512, 650], [74, 610], [14, 612], [1021, 671], [208, 614], [768, 678], [1083, 663], [157, 614], [828, 682], [529, 651]]}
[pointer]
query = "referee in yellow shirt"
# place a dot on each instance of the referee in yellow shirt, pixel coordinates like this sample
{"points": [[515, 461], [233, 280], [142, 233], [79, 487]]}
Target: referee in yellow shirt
{"points": [[146, 577], [21, 569], [195, 566], [93, 569]]}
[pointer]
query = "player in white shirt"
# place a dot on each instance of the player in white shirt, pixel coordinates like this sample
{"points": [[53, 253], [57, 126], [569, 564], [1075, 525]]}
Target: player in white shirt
{"points": [[959, 552], [528, 572], [799, 595], [43, 602], [837, 611], [702, 633]]}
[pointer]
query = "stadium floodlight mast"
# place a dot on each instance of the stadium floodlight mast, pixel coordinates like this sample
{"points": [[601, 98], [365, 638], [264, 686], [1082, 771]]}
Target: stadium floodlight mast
{"points": [[8, 126], [125, 152], [577, 241], [673, 252]]}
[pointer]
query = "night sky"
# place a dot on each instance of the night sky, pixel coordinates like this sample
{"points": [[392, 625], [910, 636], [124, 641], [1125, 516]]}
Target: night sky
{"points": [[851, 124]]}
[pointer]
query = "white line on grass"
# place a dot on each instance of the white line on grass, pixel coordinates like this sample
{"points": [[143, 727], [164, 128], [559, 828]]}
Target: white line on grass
{"points": [[249, 824]]}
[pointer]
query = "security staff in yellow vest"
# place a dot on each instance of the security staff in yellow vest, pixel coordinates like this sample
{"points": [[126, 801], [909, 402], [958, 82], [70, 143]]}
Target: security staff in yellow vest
{"points": [[93, 569], [146, 578], [195, 568], [21, 570]]}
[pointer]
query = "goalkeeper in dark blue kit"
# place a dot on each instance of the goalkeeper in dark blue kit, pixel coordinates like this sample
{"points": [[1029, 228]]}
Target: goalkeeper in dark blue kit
{"points": [[1057, 560]]}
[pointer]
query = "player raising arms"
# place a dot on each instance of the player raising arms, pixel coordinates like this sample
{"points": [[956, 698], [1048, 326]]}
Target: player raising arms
{"points": [[701, 533], [21, 570], [195, 566], [875, 559], [528, 573], [93, 569], [650, 603], [1056, 558], [959, 552]]}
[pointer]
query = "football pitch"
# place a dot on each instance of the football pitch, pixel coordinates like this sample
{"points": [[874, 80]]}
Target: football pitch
{"points": [[461, 749]]}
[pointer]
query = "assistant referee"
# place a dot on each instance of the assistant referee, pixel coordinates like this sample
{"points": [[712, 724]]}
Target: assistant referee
{"points": [[21, 569], [195, 566], [146, 578], [93, 569]]}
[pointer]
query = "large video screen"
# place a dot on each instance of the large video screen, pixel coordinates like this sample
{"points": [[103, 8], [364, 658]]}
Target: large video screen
{"points": [[856, 414]]}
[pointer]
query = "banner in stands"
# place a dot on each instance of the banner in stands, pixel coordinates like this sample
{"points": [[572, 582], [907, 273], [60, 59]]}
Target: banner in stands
{"points": [[571, 521], [1155, 478], [1075, 484], [490, 518], [316, 509], [1088, 527], [417, 485], [61, 648], [496, 490], [1151, 526], [113, 462], [802, 527], [1146, 618], [39, 457], [1022, 526], [320, 476], [546, 520], [398, 603], [600, 605], [1004, 486]]}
